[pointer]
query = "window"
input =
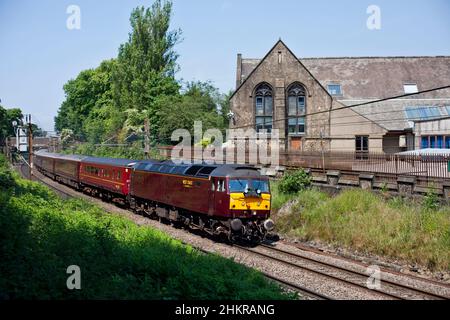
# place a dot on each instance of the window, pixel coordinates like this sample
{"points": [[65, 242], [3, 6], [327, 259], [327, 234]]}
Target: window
{"points": [[362, 144], [334, 89], [244, 185], [263, 108], [410, 88], [296, 109], [192, 171], [436, 142], [220, 186], [206, 171], [422, 112]]}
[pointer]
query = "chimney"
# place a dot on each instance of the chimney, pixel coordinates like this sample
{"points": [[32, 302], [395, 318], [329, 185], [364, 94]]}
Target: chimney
{"points": [[239, 70]]}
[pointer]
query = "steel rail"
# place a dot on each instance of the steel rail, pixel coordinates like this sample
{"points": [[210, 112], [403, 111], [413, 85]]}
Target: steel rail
{"points": [[334, 278], [330, 265]]}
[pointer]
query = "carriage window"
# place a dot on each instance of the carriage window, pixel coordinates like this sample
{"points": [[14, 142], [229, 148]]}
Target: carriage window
{"points": [[213, 186], [119, 174]]}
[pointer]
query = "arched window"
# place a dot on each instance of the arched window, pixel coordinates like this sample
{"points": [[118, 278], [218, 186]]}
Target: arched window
{"points": [[263, 108], [296, 109]]}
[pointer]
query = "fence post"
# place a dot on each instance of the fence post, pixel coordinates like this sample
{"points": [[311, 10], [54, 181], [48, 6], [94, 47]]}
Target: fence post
{"points": [[396, 164], [333, 177], [446, 187]]}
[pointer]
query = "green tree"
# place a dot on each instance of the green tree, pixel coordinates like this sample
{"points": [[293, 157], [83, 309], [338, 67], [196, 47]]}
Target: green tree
{"points": [[7, 116], [200, 101], [147, 63], [89, 104]]}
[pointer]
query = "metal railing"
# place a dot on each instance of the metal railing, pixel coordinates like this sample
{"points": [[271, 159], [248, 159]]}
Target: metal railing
{"points": [[423, 165]]}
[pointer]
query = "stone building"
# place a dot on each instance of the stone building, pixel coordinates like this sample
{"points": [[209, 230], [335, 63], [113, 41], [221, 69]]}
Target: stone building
{"points": [[326, 103]]}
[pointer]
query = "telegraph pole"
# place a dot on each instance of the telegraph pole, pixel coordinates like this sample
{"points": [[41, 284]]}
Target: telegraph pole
{"points": [[146, 138], [30, 145]]}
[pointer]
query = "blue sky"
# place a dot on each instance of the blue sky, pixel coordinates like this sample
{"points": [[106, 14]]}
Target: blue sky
{"points": [[38, 54]]}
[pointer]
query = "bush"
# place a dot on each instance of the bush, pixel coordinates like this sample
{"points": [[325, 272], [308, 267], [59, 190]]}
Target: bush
{"points": [[431, 201], [370, 223], [294, 181]]}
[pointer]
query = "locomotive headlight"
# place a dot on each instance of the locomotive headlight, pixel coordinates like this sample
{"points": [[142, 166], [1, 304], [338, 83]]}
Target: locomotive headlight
{"points": [[269, 225]]}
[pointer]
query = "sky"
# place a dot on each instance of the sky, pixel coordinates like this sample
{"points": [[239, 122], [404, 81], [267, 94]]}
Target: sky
{"points": [[38, 53]]}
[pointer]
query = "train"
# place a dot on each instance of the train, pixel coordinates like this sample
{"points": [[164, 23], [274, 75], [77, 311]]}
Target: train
{"points": [[228, 200]]}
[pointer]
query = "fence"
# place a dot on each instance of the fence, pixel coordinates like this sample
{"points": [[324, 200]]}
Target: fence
{"points": [[424, 165]]}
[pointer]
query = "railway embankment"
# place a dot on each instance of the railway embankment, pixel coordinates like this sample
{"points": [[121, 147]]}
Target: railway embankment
{"points": [[413, 235], [43, 235]]}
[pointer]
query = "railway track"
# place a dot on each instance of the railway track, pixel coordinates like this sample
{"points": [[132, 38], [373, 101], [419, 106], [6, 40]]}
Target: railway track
{"points": [[298, 261], [389, 288], [292, 286]]}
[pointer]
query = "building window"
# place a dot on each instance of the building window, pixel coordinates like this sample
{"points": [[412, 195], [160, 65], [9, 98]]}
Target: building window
{"points": [[335, 89], [361, 145], [422, 112], [435, 142], [263, 108], [410, 88], [296, 109]]}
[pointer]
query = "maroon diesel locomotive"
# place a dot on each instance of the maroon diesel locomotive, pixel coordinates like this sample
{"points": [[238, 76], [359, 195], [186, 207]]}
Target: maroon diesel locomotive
{"points": [[220, 199], [233, 200]]}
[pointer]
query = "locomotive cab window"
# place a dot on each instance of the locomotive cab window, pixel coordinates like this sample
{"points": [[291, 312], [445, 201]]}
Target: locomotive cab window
{"points": [[244, 185], [220, 186]]}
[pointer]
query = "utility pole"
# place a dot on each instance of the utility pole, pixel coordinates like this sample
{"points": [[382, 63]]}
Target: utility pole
{"points": [[321, 145], [146, 138], [30, 145]]}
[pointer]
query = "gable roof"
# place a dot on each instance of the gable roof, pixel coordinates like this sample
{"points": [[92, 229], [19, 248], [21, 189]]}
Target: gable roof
{"points": [[374, 77], [252, 65]]}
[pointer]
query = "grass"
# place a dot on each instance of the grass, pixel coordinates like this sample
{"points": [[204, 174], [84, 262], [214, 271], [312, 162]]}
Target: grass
{"points": [[41, 235], [361, 220]]}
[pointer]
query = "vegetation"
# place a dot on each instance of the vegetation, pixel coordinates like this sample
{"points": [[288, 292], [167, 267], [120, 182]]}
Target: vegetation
{"points": [[41, 235], [7, 116], [133, 151], [361, 220], [294, 181], [111, 102]]}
